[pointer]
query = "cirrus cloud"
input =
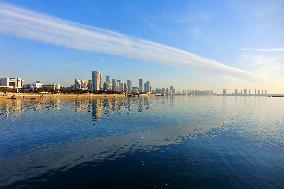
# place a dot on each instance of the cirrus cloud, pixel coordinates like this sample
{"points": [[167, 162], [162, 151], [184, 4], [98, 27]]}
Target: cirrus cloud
{"points": [[29, 24]]}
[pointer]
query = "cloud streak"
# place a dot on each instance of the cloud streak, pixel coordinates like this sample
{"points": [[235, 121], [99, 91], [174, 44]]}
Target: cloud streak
{"points": [[25, 23], [264, 50]]}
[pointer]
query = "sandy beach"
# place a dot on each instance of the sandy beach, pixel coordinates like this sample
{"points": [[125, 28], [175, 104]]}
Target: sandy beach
{"points": [[34, 96]]}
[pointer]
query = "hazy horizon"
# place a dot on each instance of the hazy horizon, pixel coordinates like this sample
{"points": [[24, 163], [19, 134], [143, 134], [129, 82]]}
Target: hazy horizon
{"points": [[192, 45]]}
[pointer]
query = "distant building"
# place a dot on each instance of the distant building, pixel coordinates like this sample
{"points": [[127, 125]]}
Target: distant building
{"points": [[245, 92], [11, 82], [161, 91], [51, 87], [107, 78], [90, 85], [28, 86], [141, 87], [167, 92], [107, 86], [97, 80], [236, 91], [172, 90], [147, 87], [135, 90], [38, 85], [33, 86], [113, 82], [81, 84], [129, 86], [224, 92], [125, 87], [119, 86]]}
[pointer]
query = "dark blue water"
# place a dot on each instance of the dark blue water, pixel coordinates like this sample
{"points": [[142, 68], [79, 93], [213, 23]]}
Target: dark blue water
{"points": [[158, 142]]}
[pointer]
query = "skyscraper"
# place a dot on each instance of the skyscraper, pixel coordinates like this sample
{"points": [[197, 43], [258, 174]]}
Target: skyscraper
{"points": [[119, 86], [113, 82], [141, 87], [147, 87], [236, 91], [172, 90], [129, 86], [107, 78], [81, 84], [97, 80], [224, 92], [90, 85]]}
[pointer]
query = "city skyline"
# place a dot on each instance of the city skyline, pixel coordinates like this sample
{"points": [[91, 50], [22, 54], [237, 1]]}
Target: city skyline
{"points": [[255, 59]]}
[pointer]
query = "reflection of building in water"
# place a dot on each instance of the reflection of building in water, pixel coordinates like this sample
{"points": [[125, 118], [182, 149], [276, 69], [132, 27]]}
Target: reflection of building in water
{"points": [[97, 107], [146, 103], [140, 105], [81, 105], [106, 103], [11, 108], [55, 104]]}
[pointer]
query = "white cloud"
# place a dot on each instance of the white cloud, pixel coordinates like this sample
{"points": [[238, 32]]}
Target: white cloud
{"points": [[29, 24], [264, 50]]}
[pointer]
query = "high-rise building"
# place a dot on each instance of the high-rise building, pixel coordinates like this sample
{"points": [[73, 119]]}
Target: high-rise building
{"points": [[172, 90], [97, 80], [129, 86], [90, 85], [167, 91], [107, 78], [236, 91], [77, 84], [245, 92], [119, 86], [224, 92], [141, 87], [113, 82], [107, 86], [81, 84], [125, 89], [147, 87]]}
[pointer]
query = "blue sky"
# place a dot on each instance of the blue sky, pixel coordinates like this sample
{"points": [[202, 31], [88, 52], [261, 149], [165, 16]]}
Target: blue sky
{"points": [[248, 35]]}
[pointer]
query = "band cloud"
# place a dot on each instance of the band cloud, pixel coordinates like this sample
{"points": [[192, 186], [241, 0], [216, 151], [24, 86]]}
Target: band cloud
{"points": [[21, 22], [264, 50]]}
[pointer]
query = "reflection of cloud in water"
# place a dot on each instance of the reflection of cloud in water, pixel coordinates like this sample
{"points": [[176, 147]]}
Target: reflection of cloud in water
{"points": [[67, 155]]}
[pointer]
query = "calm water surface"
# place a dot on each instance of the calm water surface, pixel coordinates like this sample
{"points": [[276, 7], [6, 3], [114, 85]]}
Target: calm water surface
{"points": [[158, 142]]}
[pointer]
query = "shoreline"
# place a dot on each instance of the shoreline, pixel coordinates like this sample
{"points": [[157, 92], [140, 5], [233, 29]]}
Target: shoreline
{"points": [[35, 96]]}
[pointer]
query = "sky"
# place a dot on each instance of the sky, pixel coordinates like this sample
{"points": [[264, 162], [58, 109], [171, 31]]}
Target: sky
{"points": [[187, 44]]}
